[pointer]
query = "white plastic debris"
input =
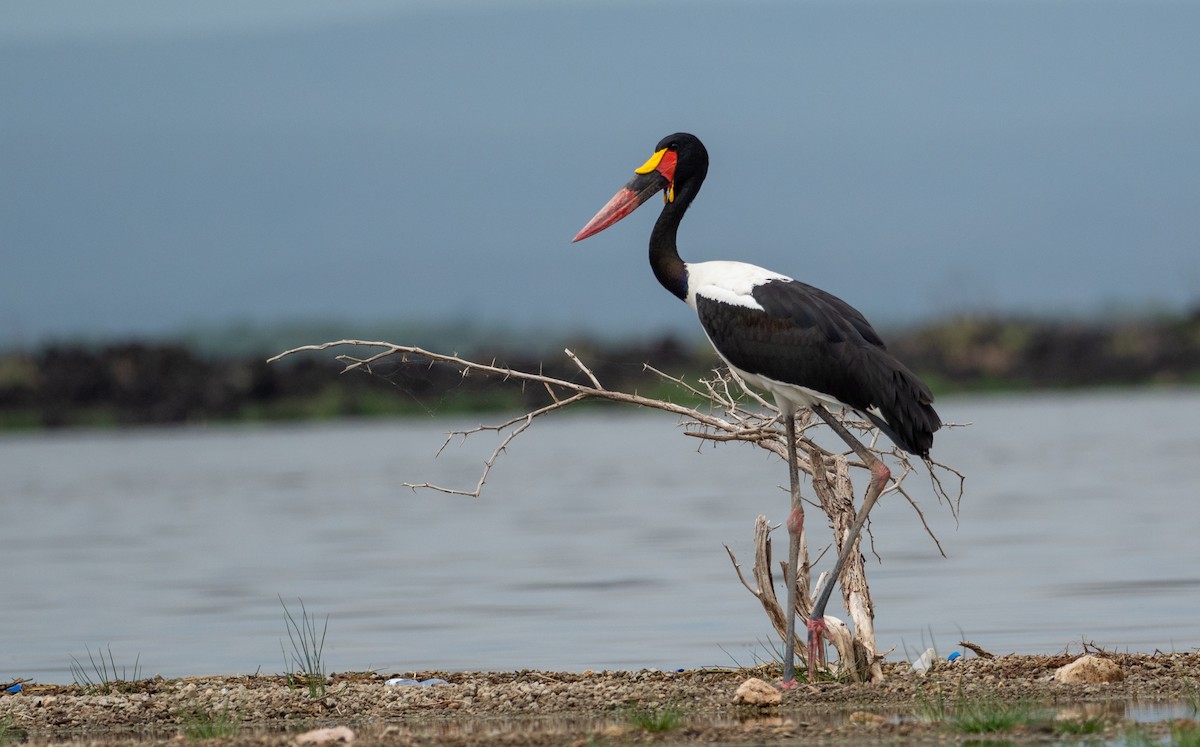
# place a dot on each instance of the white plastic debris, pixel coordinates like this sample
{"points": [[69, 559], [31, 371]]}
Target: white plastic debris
{"points": [[925, 662], [408, 682]]}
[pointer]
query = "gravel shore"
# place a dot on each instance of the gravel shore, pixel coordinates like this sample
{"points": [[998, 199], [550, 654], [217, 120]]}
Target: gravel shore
{"points": [[563, 708]]}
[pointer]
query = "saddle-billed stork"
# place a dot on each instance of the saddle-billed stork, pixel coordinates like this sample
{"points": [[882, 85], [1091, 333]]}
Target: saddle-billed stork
{"points": [[805, 347]]}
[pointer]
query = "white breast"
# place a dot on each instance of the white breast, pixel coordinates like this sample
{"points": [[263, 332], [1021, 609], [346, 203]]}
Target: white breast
{"points": [[728, 282]]}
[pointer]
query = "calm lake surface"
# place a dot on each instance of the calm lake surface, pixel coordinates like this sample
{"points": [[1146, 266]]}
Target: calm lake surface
{"points": [[597, 542]]}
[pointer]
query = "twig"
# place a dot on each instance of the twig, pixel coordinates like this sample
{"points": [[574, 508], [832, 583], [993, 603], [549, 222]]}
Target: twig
{"points": [[575, 359], [521, 424], [676, 380], [977, 649]]}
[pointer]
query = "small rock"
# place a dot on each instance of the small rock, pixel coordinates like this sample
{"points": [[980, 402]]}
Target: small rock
{"points": [[756, 692], [1090, 669], [325, 736]]}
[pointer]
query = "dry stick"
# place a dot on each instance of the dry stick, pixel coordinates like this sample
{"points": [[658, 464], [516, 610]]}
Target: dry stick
{"points": [[739, 424], [837, 498], [977, 649], [764, 588]]}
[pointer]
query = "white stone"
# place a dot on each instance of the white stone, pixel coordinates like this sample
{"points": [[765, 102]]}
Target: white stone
{"points": [[1090, 669], [325, 736], [756, 692]]}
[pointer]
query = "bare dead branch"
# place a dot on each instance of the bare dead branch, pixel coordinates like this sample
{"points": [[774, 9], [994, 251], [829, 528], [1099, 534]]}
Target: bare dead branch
{"points": [[764, 588], [735, 413]]}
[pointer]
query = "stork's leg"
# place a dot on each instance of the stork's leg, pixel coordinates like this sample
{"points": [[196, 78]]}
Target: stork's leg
{"points": [[795, 526], [880, 474]]}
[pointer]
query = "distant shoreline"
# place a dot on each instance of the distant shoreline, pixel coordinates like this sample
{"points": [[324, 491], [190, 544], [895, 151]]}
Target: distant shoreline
{"points": [[142, 383]]}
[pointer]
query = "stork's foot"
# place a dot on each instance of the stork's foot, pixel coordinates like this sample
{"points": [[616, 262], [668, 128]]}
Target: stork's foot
{"points": [[816, 647]]}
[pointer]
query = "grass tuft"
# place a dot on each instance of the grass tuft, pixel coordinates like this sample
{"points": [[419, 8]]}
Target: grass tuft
{"points": [[306, 668], [1191, 695], [1183, 733], [10, 733], [987, 716], [200, 724], [1079, 727], [101, 674], [656, 720], [974, 715]]}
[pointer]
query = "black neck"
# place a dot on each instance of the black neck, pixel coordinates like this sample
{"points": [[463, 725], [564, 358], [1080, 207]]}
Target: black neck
{"points": [[664, 254]]}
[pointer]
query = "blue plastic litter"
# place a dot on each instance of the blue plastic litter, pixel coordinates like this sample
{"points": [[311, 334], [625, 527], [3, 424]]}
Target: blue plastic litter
{"points": [[954, 657], [14, 689]]}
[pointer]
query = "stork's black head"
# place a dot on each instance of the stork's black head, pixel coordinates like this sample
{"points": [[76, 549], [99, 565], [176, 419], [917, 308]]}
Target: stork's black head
{"points": [[676, 169], [691, 160]]}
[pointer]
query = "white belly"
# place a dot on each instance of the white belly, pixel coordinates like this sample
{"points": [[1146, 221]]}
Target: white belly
{"points": [[788, 397]]}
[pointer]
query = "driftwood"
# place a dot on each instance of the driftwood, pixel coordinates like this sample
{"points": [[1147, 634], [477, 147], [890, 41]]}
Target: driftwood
{"points": [[733, 413]]}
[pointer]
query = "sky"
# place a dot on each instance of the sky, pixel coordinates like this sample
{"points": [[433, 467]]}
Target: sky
{"points": [[168, 166]]}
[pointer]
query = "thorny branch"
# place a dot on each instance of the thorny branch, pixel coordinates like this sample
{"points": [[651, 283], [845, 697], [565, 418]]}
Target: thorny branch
{"points": [[734, 412]]}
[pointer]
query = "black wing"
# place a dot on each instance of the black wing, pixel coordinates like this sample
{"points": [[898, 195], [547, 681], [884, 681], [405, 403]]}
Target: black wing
{"points": [[810, 338]]}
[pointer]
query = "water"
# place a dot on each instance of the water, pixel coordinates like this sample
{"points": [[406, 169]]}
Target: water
{"points": [[597, 542]]}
